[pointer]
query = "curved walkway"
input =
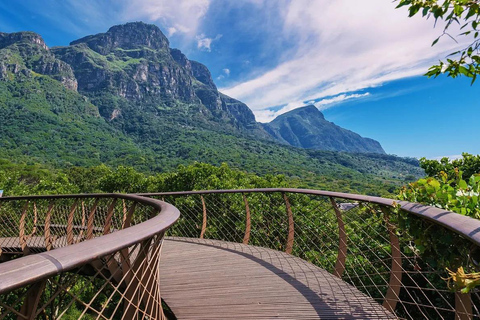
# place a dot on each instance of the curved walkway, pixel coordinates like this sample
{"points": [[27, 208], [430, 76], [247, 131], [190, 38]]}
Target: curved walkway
{"points": [[209, 279]]}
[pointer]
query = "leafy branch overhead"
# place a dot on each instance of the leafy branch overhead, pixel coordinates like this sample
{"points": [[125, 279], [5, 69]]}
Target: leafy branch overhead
{"points": [[465, 14]]}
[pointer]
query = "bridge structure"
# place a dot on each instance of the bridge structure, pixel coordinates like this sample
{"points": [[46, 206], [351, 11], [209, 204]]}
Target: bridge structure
{"points": [[233, 254]]}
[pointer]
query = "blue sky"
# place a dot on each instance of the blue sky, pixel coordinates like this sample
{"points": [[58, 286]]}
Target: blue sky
{"points": [[360, 62]]}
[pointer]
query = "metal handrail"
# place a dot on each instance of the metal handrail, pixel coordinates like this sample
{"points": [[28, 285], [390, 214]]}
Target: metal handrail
{"points": [[32, 268], [206, 212], [466, 226], [216, 218]]}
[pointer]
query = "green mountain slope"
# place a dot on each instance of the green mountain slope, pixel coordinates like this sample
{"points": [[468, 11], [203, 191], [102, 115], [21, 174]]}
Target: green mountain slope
{"points": [[124, 97], [307, 128]]}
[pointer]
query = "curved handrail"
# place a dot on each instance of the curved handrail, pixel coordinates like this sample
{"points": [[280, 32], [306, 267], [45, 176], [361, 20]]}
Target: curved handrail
{"points": [[32, 268], [363, 249], [466, 226]]}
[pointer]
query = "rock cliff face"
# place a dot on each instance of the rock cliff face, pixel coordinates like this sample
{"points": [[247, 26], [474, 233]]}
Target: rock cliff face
{"points": [[134, 62], [24, 52], [307, 128], [143, 87]]}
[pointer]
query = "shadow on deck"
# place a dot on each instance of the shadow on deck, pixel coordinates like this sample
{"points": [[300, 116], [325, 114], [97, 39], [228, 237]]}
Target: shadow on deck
{"points": [[209, 279]]}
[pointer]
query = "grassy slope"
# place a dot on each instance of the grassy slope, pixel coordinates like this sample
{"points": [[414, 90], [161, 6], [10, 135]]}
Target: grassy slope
{"points": [[42, 122]]}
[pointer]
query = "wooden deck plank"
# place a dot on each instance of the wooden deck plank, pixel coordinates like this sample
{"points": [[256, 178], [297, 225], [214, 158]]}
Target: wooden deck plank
{"points": [[207, 279]]}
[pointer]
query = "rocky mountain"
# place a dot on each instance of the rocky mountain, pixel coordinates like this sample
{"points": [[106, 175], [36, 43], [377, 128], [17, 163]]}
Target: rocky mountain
{"points": [[22, 53], [135, 80], [125, 97], [131, 69], [307, 128]]}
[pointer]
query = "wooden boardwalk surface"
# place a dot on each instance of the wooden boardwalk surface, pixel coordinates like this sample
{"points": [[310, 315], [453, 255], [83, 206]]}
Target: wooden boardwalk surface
{"points": [[207, 279]]}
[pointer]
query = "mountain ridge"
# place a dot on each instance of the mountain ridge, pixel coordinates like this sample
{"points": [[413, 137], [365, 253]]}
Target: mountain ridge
{"points": [[130, 106], [307, 128]]}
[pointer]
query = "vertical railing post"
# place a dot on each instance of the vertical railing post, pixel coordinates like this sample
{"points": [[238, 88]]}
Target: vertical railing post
{"points": [[90, 220], [291, 227], [132, 293], [342, 241], [463, 306], [82, 231], [204, 222], [23, 237], [395, 283], [48, 237], [70, 223], [248, 222], [150, 279], [108, 219], [124, 256], [32, 298]]}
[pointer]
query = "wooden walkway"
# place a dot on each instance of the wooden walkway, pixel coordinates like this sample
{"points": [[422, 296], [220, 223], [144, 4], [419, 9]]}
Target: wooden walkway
{"points": [[208, 279]]}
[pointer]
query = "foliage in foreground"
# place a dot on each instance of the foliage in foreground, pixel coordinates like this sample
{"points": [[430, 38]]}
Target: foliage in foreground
{"points": [[465, 14], [454, 186]]}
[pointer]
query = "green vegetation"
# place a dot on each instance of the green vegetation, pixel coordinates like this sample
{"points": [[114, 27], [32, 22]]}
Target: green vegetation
{"points": [[454, 186], [464, 13], [146, 106], [43, 122]]}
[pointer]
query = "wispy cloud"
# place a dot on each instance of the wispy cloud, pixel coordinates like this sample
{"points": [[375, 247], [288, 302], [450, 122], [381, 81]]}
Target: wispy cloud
{"points": [[342, 47], [267, 115], [179, 16], [205, 43], [226, 71], [328, 102]]}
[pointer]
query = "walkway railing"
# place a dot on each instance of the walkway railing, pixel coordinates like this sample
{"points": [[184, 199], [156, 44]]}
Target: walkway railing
{"points": [[395, 253], [50, 271]]}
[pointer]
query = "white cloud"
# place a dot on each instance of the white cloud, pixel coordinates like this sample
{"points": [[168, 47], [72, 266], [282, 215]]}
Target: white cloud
{"points": [[226, 71], [172, 31], [326, 103], [205, 43], [182, 16], [343, 46], [267, 115]]}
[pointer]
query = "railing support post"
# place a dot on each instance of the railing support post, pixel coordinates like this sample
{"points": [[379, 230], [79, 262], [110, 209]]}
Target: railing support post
{"points": [[90, 220], [23, 238], [30, 304], [342, 241], [108, 219], [48, 237], [248, 225], [291, 227], [204, 222], [395, 283], [70, 223], [133, 291], [463, 306]]}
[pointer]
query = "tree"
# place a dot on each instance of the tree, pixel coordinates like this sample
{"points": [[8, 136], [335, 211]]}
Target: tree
{"points": [[465, 13]]}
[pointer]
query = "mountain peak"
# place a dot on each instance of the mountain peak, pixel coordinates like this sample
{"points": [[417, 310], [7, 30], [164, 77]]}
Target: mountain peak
{"points": [[308, 111], [131, 35], [7, 39], [306, 127]]}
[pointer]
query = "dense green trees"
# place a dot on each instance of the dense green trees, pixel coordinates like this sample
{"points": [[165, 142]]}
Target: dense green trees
{"points": [[22, 179], [374, 179]]}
